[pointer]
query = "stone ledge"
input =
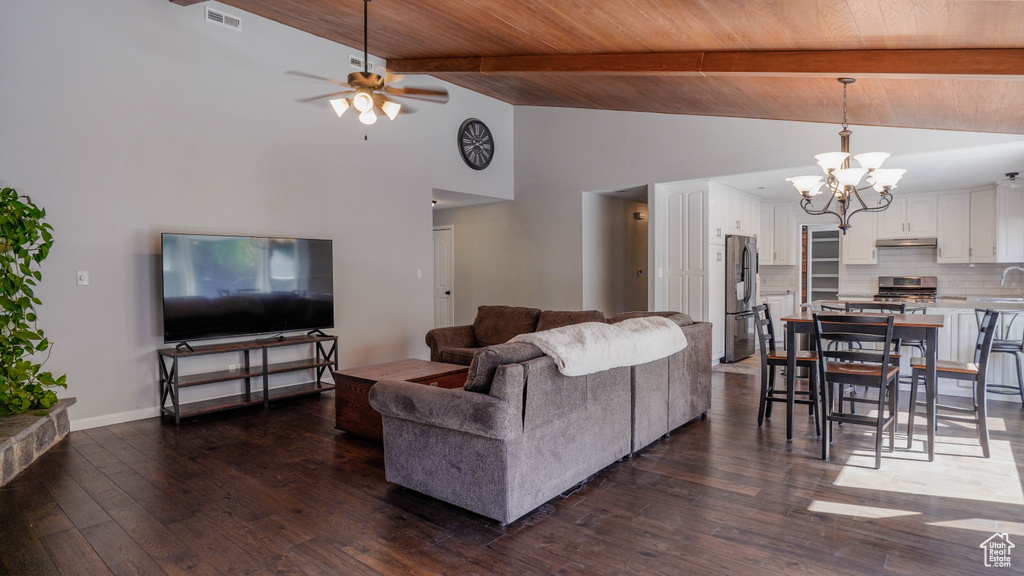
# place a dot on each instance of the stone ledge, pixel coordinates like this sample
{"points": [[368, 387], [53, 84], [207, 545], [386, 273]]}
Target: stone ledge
{"points": [[25, 437]]}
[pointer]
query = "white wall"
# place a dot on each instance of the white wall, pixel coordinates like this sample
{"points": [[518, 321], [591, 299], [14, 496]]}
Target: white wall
{"points": [[614, 248], [530, 251], [127, 118]]}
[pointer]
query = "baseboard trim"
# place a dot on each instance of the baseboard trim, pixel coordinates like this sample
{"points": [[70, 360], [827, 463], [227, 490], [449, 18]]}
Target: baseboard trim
{"points": [[118, 418]]}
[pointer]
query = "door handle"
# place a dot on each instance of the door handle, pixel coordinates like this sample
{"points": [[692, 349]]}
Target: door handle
{"points": [[447, 292]]}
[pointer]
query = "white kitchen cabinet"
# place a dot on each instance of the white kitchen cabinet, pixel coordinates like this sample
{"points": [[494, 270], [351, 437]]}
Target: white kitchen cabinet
{"points": [[953, 230], [983, 231], [766, 238], [716, 301], [732, 213], [785, 237], [717, 198], [908, 217], [779, 306], [1009, 226], [858, 244], [777, 243]]}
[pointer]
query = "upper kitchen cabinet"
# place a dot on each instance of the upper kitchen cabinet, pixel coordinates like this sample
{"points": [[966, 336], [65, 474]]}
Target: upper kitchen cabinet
{"points": [[776, 243], [982, 230], [913, 217], [732, 213], [1009, 226], [858, 244], [953, 232]]}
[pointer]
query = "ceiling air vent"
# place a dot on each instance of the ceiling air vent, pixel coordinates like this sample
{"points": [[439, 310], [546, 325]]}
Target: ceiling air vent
{"points": [[223, 19]]}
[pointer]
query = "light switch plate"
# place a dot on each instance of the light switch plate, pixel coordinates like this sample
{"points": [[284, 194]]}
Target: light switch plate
{"points": [[83, 277]]}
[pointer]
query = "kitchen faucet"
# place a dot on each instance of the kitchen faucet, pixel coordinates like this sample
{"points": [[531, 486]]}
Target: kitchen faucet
{"points": [[1005, 272]]}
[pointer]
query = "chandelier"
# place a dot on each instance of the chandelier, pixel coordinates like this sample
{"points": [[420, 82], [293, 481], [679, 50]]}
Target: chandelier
{"points": [[842, 181]]}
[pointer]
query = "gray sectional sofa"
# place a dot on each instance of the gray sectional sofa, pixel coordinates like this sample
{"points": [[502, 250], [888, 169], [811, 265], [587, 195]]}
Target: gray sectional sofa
{"points": [[497, 325], [520, 433]]}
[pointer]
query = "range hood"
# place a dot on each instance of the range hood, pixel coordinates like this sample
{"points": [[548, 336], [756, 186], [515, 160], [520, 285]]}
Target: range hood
{"points": [[906, 243]]}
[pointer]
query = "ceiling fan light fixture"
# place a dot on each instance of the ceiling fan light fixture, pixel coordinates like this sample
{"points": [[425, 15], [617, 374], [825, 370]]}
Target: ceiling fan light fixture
{"points": [[391, 109], [362, 101], [340, 105], [367, 117]]}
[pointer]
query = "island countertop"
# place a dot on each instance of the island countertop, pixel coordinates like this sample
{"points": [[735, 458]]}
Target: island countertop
{"points": [[942, 303]]}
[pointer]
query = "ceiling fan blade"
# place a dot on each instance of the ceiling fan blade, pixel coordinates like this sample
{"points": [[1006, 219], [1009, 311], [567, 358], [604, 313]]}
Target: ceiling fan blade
{"points": [[406, 109], [390, 78], [315, 77], [439, 96], [323, 96]]}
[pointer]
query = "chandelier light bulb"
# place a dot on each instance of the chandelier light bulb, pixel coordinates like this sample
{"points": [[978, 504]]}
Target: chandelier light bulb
{"points": [[887, 177], [362, 101], [849, 176], [830, 161], [367, 117], [871, 160], [340, 105], [807, 185]]}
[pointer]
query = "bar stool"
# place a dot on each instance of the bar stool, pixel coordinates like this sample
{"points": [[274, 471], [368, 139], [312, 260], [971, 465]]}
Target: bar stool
{"points": [[973, 371], [1002, 344], [770, 359]]}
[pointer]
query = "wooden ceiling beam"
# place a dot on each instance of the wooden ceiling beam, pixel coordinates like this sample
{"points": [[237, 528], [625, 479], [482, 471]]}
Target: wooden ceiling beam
{"points": [[975, 63]]}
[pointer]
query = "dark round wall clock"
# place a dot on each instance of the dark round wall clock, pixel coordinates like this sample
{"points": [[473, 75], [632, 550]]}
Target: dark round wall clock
{"points": [[476, 144]]}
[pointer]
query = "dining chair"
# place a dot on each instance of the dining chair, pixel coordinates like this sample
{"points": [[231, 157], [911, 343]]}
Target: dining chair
{"points": [[898, 343], [972, 371], [869, 365], [770, 359], [1003, 343]]}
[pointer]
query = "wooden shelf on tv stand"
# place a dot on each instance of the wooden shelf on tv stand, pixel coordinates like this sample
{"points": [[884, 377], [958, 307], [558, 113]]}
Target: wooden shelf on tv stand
{"points": [[172, 381]]}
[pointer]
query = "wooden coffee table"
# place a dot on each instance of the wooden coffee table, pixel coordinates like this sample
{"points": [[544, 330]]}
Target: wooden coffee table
{"points": [[353, 412]]}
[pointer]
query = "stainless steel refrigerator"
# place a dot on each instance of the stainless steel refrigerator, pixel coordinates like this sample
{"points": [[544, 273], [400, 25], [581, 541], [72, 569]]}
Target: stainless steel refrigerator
{"points": [[740, 297]]}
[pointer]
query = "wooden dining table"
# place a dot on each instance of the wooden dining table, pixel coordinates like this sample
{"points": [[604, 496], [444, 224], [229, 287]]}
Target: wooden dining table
{"points": [[923, 327]]}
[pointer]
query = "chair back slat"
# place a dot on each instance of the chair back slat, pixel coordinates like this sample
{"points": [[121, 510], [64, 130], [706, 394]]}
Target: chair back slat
{"points": [[854, 331], [987, 328], [765, 331]]}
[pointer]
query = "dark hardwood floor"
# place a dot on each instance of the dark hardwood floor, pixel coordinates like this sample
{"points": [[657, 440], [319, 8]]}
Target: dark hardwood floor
{"points": [[283, 492]]}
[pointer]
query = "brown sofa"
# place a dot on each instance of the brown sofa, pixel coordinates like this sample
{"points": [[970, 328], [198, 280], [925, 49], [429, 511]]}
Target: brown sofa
{"points": [[497, 325]]}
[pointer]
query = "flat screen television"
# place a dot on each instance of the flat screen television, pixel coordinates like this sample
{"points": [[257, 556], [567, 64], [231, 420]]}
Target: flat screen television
{"points": [[222, 286]]}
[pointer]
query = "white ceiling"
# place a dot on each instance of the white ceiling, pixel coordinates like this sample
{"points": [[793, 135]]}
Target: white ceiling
{"points": [[954, 169]]}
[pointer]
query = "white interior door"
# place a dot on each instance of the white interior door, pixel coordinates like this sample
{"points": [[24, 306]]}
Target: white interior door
{"points": [[444, 275]]}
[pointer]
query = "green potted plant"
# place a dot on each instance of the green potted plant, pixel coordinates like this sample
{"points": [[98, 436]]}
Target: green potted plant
{"points": [[25, 240]]}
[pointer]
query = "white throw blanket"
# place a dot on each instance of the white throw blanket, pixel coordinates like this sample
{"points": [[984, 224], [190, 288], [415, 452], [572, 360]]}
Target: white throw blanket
{"points": [[591, 347]]}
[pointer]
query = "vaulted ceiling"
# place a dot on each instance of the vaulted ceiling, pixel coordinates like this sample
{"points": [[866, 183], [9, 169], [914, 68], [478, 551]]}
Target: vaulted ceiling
{"points": [[943, 64]]}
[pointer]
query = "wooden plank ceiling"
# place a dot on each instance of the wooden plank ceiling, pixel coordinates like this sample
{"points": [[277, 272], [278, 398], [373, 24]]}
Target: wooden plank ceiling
{"points": [[944, 64]]}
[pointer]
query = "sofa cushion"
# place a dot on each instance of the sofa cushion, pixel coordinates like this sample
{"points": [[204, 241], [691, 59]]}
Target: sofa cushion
{"points": [[498, 324], [461, 356], [677, 317], [486, 362], [557, 318]]}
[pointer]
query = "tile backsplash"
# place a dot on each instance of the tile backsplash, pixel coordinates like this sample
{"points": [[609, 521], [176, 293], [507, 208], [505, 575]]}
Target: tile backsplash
{"points": [[953, 279]]}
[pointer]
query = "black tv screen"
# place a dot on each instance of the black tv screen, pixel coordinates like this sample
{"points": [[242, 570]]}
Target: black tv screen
{"points": [[221, 286]]}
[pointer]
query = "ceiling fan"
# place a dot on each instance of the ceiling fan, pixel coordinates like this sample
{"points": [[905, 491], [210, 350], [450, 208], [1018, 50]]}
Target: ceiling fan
{"points": [[369, 92]]}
